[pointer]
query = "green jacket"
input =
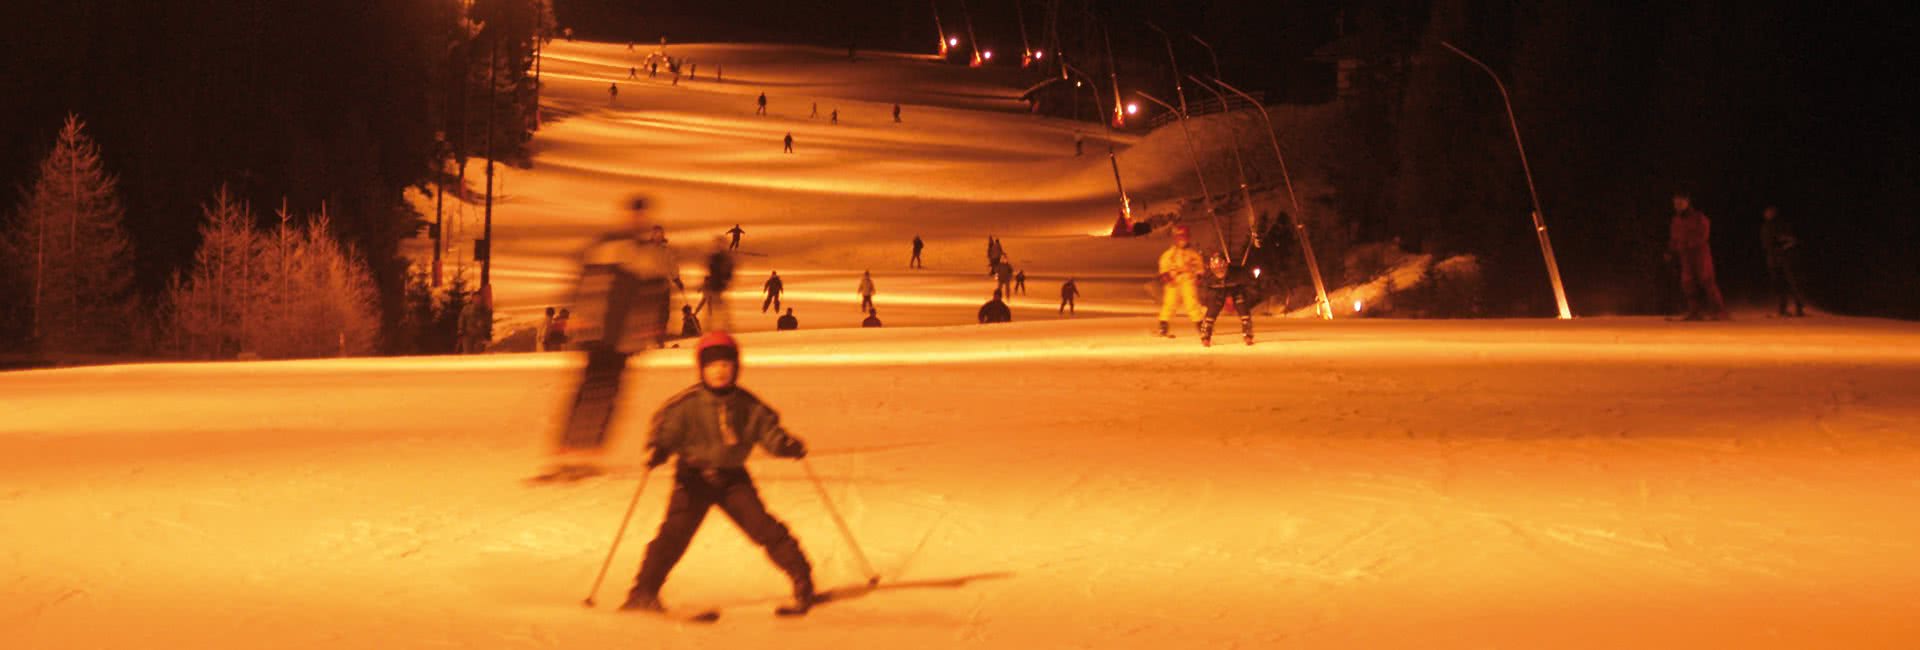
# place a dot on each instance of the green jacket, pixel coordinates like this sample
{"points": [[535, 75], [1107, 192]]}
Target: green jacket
{"points": [[691, 425]]}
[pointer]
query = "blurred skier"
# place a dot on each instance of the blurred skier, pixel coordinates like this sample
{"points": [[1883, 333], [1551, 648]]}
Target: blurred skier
{"points": [[1226, 285], [787, 322], [653, 69], [1079, 145], [995, 310], [1020, 281], [712, 427], [1068, 292], [896, 113], [540, 337], [835, 117], [1783, 260], [735, 232], [1179, 267], [624, 281], [1689, 238], [866, 291], [873, 319], [1003, 277], [633, 72], [693, 70], [613, 92], [761, 104], [713, 290], [772, 289], [557, 332], [914, 262], [994, 252], [815, 113], [719, 72], [787, 144], [689, 326]]}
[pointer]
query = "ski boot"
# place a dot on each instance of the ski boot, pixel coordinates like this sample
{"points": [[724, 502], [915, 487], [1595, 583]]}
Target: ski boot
{"points": [[1163, 331], [803, 599], [1246, 329], [1206, 333], [640, 602]]}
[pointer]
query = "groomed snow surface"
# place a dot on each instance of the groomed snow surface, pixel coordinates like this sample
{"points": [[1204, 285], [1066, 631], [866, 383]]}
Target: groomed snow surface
{"points": [[1052, 483]]}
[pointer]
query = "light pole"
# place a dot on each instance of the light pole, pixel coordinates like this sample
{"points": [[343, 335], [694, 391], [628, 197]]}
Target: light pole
{"points": [[1205, 195], [1239, 168], [1126, 205], [938, 28], [973, 43], [1178, 91], [1299, 227], [1539, 222]]}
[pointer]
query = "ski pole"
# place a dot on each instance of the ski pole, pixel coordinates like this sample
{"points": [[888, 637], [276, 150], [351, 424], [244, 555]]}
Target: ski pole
{"points": [[617, 535], [872, 578]]}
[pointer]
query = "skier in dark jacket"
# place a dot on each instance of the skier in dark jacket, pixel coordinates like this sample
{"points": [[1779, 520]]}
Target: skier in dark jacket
{"points": [[1225, 285], [1020, 281], [1689, 238], [914, 262], [1783, 260], [689, 326], [1003, 277], [1068, 292], [712, 428], [735, 232], [713, 290], [772, 288], [787, 322], [760, 107], [995, 311]]}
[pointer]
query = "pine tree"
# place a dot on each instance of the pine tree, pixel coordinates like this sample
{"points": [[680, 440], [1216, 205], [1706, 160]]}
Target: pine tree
{"points": [[71, 250], [217, 309]]}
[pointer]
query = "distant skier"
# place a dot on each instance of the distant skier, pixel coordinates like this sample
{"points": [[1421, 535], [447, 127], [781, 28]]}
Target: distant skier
{"points": [[557, 332], [1068, 292], [633, 72], [994, 252], [835, 117], [735, 232], [760, 107], [712, 427], [995, 310], [1783, 260], [896, 113], [713, 290], [624, 281], [1227, 285], [787, 322], [653, 69], [1003, 277], [719, 73], [1689, 238], [914, 262], [613, 92], [693, 70], [689, 326], [815, 113], [1179, 267], [873, 319], [546, 327], [866, 291], [772, 289], [787, 144], [1079, 145], [1020, 281]]}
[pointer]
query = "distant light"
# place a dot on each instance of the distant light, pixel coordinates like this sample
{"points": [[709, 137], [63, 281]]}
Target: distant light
{"points": [[988, 55], [1132, 108], [1039, 55], [1077, 84], [1356, 306], [1256, 271], [953, 41]]}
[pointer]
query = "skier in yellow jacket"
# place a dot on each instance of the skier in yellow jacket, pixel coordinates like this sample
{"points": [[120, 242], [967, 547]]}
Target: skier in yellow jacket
{"points": [[1180, 266]]}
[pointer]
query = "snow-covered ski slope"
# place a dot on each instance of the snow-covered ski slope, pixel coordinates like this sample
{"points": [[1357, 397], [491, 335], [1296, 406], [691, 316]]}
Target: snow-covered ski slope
{"points": [[1600, 483], [1605, 483]]}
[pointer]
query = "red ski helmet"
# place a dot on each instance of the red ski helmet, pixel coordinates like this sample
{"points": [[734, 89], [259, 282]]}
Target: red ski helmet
{"points": [[715, 346], [1180, 233]]}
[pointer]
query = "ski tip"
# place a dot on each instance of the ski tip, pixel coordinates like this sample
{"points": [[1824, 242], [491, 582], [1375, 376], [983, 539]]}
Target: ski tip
{"points": [[709, 616]]}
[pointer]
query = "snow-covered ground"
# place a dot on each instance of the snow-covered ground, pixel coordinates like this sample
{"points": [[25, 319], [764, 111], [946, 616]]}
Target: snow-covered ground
{"points": [[1049, 483]]}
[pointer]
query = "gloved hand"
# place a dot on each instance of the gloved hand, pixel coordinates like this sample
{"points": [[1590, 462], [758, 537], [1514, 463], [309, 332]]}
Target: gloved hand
{"points": [[1166, 278], [658, 458]]}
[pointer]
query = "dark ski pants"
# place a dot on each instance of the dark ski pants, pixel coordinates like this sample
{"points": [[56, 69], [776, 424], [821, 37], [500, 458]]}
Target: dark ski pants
{"points": [[694, 492], [914, 263], [773, 299], [592, 412], [1066, 306], [1242, 304], [866, 303], [1786, 285], [1698, 284]]}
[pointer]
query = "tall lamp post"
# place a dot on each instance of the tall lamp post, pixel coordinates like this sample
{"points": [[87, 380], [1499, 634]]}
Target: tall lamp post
{"points": [[1178, 92], [1126, 205], [1539, 222], [1239, 168], [1299, 227], [1192, 155]]}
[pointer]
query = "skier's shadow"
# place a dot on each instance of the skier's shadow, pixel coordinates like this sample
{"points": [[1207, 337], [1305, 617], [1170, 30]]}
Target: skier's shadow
{"points": [[855, 592]]}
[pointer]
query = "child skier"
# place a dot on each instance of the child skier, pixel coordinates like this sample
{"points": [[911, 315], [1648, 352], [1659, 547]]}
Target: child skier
{"points": [[1179, 267], [1226, 283], [712, 427]]}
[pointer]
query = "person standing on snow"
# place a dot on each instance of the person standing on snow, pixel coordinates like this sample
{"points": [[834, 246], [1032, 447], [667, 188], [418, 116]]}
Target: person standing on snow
{"points": [[546, 325], [711, 428], [995, 311], [1689, 237], [1179, 267], [633, 72], [689, 326], [761, 109], [787, 145], [1227, 285], [1068, 292], [713, 290], [1783, 263], [787, 322], [866, 291], [625, 277], [815, 113], [557, 332], [772, 289], [835, 117], [735, 232], [914, 262], [1020, 281], [613, 92], [896, 113], [1003, 277]]}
